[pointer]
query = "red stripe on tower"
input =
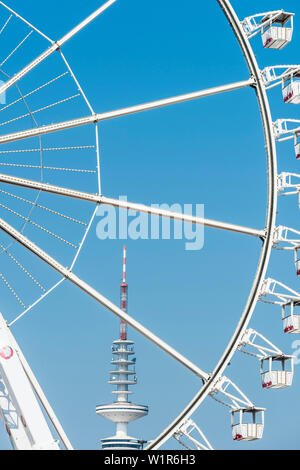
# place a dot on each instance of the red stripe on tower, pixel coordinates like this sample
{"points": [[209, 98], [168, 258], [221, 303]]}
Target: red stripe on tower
{"points": [[124, 264], [124, 294]]}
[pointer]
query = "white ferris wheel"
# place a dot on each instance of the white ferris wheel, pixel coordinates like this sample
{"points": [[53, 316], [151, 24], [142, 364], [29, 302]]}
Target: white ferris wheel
{"points": [[43, 131]]}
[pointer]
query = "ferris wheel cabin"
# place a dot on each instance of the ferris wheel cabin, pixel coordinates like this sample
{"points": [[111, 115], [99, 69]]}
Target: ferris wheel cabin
{"points": [[277, 32], [291, 321], [291, 88], [247, 424], [277, 371]]}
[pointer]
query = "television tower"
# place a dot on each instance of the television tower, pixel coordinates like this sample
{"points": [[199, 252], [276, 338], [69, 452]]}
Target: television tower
{"points": [[122, 411]]}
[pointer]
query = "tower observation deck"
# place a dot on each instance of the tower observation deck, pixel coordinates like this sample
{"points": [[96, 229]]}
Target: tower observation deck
{"points": [[122, 411]]}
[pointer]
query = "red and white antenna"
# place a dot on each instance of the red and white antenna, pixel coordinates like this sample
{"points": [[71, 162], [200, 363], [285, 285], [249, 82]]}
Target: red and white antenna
{"points": [[124, 296], [122, 411], [124, 264]]}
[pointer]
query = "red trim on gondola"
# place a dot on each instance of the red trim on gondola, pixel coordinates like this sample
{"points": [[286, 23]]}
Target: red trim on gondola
{"points": [[268, 42], [289, 328], [267, 384]]}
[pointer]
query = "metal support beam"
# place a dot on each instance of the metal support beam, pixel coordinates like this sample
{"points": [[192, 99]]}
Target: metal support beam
{"points": [[265, 347], [40, 394], [186, 431], [183, 217], [55, 46], [85, 22], [25, 183], [25, 423], [282, 130], [94, 118], [33, 248], [25, 21]]}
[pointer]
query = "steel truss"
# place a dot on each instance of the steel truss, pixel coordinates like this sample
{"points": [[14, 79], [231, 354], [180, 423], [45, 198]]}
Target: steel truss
{"points": [[285, 238], [286, 129], [198, 441], [262, 349], [272, 78], [277, 293]]}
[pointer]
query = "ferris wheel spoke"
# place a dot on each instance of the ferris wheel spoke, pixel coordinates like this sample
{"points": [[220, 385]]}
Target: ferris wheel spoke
{"points": [[6, 23], [47, 129], [85, 22], [175, 99], [13, 13], [89, 197], [55, 47], [94, 118], [49, 188], [66, 273], [225, 358], [182, 217]]}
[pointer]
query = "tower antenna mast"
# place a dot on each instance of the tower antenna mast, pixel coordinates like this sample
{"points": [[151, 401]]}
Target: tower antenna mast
{"points": [[124, 298]]}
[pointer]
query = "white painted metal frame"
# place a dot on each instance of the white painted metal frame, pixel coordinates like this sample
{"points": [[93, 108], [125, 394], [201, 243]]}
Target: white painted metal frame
{"points": [[277, 293], [20, 410], [213, 383], [245, 431], [99, 199], [95, 118], [265, 349], [283, 240], [55, 47], [228, 389], [283, 131], [273, 79], [269, 233], [251, 27], [186, 430], [27, 219], [256, 345], [288, 184], [35, 424]]}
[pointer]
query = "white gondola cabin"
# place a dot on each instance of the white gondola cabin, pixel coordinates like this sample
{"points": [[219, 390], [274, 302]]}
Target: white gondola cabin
{"points": [[297, 145], [277, 371], [247, 424], [291, 88], [291, 321], [277, 32]]}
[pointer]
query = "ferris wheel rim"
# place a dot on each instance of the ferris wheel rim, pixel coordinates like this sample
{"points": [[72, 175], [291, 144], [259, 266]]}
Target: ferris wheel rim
{"points": [[265, 111], [271, 207]]}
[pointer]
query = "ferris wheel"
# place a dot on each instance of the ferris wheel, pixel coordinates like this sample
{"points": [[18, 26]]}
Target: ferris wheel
{"points": [[50, 159]]}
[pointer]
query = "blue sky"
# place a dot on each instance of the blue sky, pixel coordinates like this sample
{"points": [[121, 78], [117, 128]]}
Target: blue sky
{"points": [[207, 152]]}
